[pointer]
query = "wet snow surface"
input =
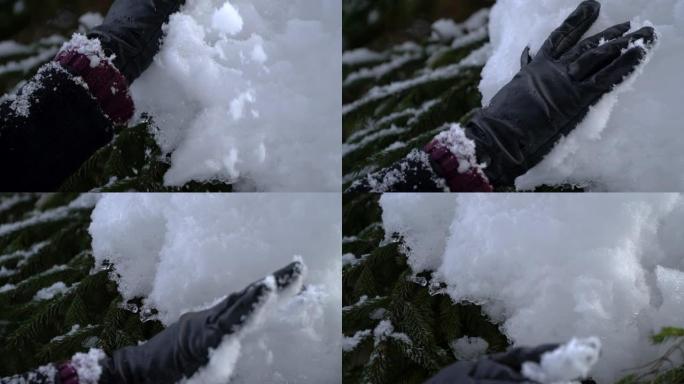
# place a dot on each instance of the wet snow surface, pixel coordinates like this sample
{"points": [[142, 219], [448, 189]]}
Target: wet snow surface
{"points": [[553, 267]]}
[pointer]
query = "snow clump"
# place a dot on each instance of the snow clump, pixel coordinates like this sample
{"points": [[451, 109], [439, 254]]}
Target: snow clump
{"points": [[469, 348], [566, 363], [247, 92]]}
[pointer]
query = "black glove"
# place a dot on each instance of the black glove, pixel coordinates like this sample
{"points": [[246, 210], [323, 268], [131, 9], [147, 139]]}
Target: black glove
{"points": [[183, 348], [552, 93], [503, 368], [132, 31]]}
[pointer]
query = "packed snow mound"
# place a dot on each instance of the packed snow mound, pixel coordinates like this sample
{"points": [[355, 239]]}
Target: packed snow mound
{"points": [[553, 267], [469, 348], [186, 251], [567, 363], [247, 92], [632, 139], [427, 231]]}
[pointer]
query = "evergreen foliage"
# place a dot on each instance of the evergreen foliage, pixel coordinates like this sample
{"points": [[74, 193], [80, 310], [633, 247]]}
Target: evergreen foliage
{"points": [[379, 285], [36, 256], [668, 368], [132, 162], [378, 131]]}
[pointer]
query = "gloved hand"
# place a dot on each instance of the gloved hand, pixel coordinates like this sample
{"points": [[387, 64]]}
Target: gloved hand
{"points": [[503, 368], [132, 30], [183, 348], [552, 93]]}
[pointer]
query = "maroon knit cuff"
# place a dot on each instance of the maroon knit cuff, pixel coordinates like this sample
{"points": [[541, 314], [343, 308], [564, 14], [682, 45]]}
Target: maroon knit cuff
{"points": [[446, 165], [67, 374], [105, 82]]}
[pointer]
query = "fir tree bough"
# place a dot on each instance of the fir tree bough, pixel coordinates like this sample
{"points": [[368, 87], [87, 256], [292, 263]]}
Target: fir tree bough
{"points": [[379, 130], [44, 241], [378, 285]]}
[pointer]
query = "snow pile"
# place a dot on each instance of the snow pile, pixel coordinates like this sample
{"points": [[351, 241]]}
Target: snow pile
{"points": [[427, 231], [90, 20], [248, 92], [553, 267], [383, 330], [185, 251], [227, 20], [361, 56], [91, 48], [632, 139], [350, 343], [48, 293], [568, 362], [469, 348], [74, 329], [87, 365]]}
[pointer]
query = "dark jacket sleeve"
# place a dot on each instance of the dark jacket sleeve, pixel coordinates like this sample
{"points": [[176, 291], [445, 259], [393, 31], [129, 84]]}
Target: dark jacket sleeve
{"points": [[48, 130], [410, 174]]}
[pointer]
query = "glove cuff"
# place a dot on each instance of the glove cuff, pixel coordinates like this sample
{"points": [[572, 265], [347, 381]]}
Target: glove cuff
{"points": [[84, 57], [452, 155], [84, 368], [67, 374]]}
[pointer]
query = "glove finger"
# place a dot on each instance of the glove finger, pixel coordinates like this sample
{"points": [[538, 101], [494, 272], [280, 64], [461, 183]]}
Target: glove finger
{"points": [[230, 320], [616, 72], [284, 277], [489, 369], [517, 356], [594, 60], [525, 57], [458, 372], [233, 314], [572, 29], [288, 275], [609, 34]]}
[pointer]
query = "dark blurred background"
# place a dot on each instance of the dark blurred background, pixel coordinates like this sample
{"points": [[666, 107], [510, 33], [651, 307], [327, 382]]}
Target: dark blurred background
{"points": [[28, 23], [377, 24], [27, 20]]}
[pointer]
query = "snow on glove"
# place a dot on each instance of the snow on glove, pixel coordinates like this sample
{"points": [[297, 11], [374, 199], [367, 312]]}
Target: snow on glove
{"points": [[411, 174], [552, 92], [183, 348], [132, 30], [503, 368]]}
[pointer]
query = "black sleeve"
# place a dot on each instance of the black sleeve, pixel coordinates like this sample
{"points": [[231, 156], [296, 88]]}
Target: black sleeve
{"points": [[48, 130], [410, 174]]}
